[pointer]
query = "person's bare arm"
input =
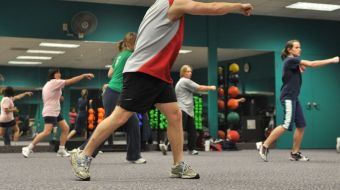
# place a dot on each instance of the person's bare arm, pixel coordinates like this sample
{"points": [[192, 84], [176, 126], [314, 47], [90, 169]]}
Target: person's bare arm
{"points": [[319, 63], [181, 7], [8, 110], [19, 96], [110, 73], [78, 78], [204, 88]]}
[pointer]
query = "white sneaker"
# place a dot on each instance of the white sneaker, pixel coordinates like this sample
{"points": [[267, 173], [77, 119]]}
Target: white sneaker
{"points": [[81, 165], [163, 148], [26, 151], [193, 152], [258, 145], [74, 151], [63, 153], [139, 161]]}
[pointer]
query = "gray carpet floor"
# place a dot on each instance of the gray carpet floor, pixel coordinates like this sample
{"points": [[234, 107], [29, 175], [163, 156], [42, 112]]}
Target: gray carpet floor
{"points": [[219, 170]]}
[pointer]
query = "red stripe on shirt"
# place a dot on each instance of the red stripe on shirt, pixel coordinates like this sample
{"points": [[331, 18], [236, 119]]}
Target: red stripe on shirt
{"points": [[160, 65]]}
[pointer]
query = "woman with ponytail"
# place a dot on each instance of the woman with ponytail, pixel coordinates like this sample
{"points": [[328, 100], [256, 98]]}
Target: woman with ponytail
{"points": [[112, 94], [293, 66]]}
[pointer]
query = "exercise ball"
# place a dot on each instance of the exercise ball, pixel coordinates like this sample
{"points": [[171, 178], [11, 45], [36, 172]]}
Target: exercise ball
{"points": [[220, 104], [232, 104], [220, 92], [234, 68], [221, 134], [233, 135], [233, 91], [220, 71], [91, 126], [233, 117]]}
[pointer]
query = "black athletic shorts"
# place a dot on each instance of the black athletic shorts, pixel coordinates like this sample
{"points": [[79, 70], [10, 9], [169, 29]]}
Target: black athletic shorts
{"points": [[141, 91], [8, 124], [53, 120]]}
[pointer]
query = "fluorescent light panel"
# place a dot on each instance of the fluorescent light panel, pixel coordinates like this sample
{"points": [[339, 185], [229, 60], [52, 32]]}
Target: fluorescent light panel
{"points": [[45, 44], [34, 57], [183, 51], [25, 62], [313, 6], [107, 66], [44, 51]]}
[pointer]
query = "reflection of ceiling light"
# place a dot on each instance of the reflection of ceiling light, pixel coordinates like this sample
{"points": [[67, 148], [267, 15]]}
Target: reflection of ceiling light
{"points": [[313, 6], [59, 45], [34, 57], [25, 62], [45, 51], [183, 51], [107, 66]]}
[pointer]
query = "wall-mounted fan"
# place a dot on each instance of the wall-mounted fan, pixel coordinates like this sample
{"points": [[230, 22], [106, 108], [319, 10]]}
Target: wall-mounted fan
{"points": [[83, 23]]}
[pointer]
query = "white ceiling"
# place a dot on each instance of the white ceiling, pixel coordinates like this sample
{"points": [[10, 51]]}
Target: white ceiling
{"points": [[95, 55], [261, 7]]}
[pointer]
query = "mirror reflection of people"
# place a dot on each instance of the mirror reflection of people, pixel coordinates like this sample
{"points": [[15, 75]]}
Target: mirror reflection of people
{"points": [[81, 120], [6, 137], [72, 117], [8, 109], [51, 94]]}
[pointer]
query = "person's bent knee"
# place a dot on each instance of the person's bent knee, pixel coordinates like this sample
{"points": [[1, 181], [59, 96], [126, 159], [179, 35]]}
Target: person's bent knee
{"points": [[175, 116]]}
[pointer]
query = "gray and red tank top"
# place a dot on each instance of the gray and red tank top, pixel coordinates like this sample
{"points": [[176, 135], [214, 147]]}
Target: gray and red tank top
{"points": [[158, 43]]}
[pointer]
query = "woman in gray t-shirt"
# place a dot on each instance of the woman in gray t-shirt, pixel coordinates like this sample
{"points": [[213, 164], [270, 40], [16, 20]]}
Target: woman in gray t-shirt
{"points": [[185, 88]]}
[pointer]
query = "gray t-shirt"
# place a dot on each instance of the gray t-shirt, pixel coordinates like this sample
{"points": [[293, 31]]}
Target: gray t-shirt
{"points": [[184, 92]]}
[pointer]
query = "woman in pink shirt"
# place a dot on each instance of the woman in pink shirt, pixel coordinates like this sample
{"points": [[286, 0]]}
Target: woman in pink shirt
{"points": [[51, 94], [7, 109]]}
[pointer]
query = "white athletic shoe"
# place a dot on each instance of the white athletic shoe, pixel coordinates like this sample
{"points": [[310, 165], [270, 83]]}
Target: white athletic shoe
{"points": [[63, 153], [139, 161], [163, 148], [26, 151]]}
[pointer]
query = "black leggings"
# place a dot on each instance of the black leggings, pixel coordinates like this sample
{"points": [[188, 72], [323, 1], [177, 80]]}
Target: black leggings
{"points": [[189, 126]]}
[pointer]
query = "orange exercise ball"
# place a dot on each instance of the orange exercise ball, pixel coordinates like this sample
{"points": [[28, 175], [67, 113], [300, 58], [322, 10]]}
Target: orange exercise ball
{"points": [[101, 110], [90, 118], [221, 134], [100, 115], [220, 92], [232, 104], [91, 126], [91, 111], [220, 104], [233, 135], [233, 91]]}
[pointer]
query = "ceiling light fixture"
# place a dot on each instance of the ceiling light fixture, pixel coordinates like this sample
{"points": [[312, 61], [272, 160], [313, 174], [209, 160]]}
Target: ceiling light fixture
{"points": [[44, 51], [46, 44], [183, 51], [313, 6], [34, 57], [25, 62]]}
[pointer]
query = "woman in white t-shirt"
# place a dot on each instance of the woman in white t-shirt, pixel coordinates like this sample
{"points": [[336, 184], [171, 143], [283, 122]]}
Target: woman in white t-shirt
{"points": [[7, 109], [51, 94]]}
